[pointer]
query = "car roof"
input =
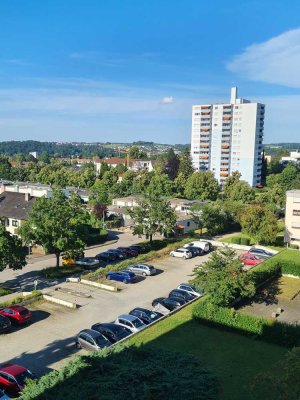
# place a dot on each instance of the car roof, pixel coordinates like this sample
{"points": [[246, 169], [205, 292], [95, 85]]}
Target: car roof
{"points": [[12, 369], [93, 333], [128, 317], [16, 307], [141, 309]]}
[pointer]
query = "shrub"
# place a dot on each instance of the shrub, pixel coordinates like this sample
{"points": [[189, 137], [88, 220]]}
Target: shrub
{"points": [[268, 330], [35, 294], [127, 373], [294, 246], [236, 240], [265, 271], [4, 291], [245, 241]]}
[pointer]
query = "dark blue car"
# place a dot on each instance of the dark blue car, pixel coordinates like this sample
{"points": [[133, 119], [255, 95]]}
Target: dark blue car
{"points": [[121, 276]]}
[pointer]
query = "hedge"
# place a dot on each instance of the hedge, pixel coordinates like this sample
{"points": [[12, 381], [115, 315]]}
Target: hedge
{"points": [[245, 241], [271, 331], [268, 269], [120, 373]]}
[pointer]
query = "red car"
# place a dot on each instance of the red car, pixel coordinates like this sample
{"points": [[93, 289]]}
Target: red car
{"points": [[13, 377], [18, 315], [250, 259]]}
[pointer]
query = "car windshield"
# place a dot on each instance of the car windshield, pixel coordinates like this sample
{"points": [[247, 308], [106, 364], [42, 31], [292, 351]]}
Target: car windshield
{"points": [[21, 378], [101, 340], [23, 312], [137, 323]]}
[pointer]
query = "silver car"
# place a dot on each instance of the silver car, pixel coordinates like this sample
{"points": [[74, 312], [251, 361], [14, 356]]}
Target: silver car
{"points": [[89, 262], [130, 322], [91, 340], [142, 269]]}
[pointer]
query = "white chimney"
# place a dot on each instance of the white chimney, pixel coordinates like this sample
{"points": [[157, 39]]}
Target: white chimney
{"points": [[233, 95]]}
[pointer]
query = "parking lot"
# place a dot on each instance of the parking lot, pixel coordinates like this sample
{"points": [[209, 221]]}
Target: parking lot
{"points": [[48, 342]]}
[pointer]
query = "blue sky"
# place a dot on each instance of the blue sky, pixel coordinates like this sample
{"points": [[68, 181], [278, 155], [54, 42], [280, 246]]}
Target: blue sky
{"points": [[108, 70]]}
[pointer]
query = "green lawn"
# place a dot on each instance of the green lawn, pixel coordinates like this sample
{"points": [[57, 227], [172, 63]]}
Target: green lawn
{"points": [[289, 255], [235, 359]]}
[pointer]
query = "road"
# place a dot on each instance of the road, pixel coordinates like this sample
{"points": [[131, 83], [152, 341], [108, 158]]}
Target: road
{"points": [[47, 343], [23, 280]]}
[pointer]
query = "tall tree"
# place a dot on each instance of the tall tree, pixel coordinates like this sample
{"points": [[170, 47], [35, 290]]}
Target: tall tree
{"points": [[202, 186], [160, 186], [172, 164], [259, 222], [57, 224], [185, 164], [153, 215], [12, 253], [222, 278]]}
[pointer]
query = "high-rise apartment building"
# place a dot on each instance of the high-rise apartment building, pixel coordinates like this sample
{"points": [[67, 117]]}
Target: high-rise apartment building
{"points": [[228, 137]]}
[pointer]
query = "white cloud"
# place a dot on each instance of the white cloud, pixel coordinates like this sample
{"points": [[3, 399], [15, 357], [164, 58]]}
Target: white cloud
{"points": [[168, 100], [276, 60]]}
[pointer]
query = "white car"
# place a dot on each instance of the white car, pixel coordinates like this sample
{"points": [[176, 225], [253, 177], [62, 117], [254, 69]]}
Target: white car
{"points": [[130, 322], [190, 289], [205, 246], [182, 253]]}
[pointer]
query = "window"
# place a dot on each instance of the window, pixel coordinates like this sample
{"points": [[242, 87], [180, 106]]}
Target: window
{"points": [[188, 223], [296, 212], [14, 222]]}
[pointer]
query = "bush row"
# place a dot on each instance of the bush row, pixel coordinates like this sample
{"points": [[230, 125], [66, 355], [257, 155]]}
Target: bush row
{"points": [[228, 319], [35, 294], [241, 240]]}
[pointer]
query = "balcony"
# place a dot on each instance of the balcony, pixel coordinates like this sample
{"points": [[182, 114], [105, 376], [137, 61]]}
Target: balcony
{"points": [[205, 113], [225, 146], [204, 130], [204, 157], [224, 169], [224, 174], [226, 118], [204, 147]]}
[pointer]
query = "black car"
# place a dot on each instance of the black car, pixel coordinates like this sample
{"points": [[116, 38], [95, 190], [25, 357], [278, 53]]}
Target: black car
{"points": [[112, 332], [145, 315], [140, 249], [170, 303], [194, 250], [117, 253], [106, 256], [5, 324], [182, 295]]}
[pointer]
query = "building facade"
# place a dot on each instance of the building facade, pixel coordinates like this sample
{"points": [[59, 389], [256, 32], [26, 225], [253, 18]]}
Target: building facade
{"points": [[292, 217], [228, 137]]}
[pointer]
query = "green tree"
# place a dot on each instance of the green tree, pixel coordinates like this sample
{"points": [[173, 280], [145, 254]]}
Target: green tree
{"points": [[57, 224], [160, 186], [12, 253], [259, 222], [153, 215], [214, 218], [237, 190], [222, 278], [104, 168], [202, 186], [135, 153], [172, 164], [282, 379], [185, 164]]}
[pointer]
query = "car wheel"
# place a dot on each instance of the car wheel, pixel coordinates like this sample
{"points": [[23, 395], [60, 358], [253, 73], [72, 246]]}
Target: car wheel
{"points": [[144, 274], [108, 277], [78, 345], [125, 281], [173, 255], [184, 257]]}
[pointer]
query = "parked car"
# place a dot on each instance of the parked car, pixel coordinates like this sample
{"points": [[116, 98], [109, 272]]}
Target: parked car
{"points": [[112, 332], [169, 303], [118, 253], [5, 324], [142, 269], [128, 251], [17, 315], [88, 262], [250, 259], [137, 247], [190, 289], [261, 253], [195, 251], [130, 322], [90, 339], [3, 396], [121, 276], [205, 246], [105, 256], [13, 378], [183, 253], [68, 261], [182, 295], [145, 315]]}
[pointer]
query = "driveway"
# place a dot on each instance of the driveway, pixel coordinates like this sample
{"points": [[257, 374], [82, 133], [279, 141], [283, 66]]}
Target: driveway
{"points": [[48, 342]]}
